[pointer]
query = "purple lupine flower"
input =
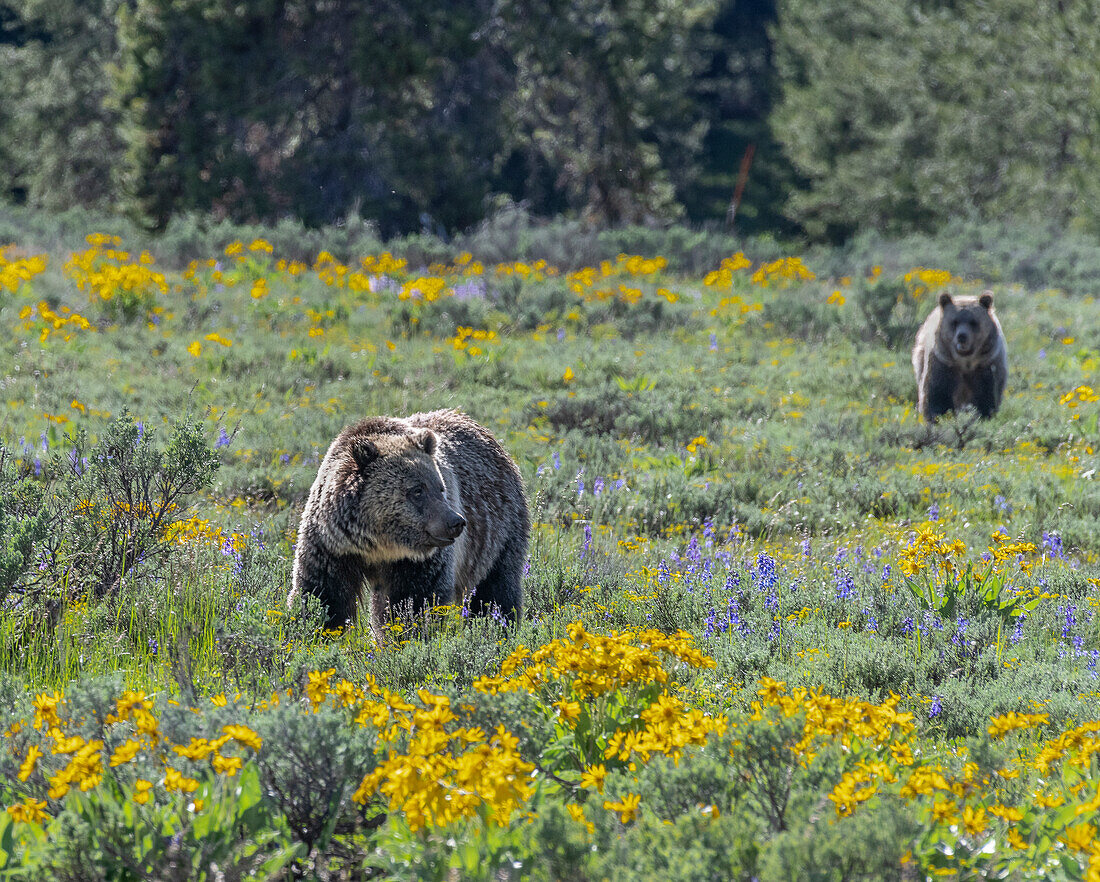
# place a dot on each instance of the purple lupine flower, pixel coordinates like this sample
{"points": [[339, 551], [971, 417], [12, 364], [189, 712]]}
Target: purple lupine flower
{"points": [[933, 512], [845, 585], [708, 532], [223, 438], [936, 708], [597, 487], [764, 572], [1052, 542], [711, 618], [693, 553], [557, 461], [1070, 612], [713, 342]]}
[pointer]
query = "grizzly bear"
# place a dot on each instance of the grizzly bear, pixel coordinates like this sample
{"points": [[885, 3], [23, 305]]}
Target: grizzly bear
{"points": [[426, 510], [960, 357]]}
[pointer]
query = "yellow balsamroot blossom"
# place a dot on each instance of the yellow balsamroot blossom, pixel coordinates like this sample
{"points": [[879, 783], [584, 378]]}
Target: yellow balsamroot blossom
{"points": [[27, 767], [627, 807], [930, 549], [441, 776], [13, 273], [108, 273], [29, 811], [1080, 837], [198, 749], [576, 812], [853, 788], [593, 777], [174, 780], [85, 770], [1079, 395], [226, 765], [470, 339], [1075, 746], [594, 664], [385, 264], [244, 735], [784, 270], [1010, 722], [723, 276], [142, 791], [127, 704], [124, 753], [669, 728], [1005, 551], [317, 688], [426, 288], [45, 710], [920, 280], [974, 820]]}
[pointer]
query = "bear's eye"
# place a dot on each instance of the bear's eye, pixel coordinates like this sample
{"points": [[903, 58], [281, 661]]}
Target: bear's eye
{"points": [[416, 493]]}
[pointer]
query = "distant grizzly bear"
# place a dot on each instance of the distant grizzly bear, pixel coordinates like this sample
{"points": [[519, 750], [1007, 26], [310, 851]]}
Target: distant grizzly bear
{"points": [[425, 510], [960, 357]]}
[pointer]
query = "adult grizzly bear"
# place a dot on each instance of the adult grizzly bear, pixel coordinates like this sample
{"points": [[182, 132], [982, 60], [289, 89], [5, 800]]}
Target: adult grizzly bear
{"points": [[425, 510], [960, 357]]}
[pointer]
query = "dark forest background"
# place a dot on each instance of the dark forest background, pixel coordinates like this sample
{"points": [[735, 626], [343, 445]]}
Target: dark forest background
{"points": [[429, 115]]}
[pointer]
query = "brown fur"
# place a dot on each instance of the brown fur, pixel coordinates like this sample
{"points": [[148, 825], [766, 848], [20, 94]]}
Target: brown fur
{"points": [[425, 510], [960, 357]]}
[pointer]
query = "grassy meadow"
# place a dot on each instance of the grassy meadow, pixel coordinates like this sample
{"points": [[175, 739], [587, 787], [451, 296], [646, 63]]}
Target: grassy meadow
{"points": [[775, 628]]}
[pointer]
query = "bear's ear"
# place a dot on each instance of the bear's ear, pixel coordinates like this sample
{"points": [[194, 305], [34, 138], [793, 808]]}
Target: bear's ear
{"points": [[986, 300], [945, 299], [364, 452], [426, 440]]}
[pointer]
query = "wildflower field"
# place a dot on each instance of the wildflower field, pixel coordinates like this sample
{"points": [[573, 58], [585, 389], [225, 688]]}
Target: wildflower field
{"points": [[775, 626]]}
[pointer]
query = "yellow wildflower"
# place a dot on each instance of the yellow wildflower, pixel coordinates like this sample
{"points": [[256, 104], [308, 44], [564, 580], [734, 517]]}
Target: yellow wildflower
{"points": [[30, 811]]}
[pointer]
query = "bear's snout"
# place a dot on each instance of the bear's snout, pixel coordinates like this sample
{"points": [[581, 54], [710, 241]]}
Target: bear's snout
{"points": [[964, 340], [445, 528]]}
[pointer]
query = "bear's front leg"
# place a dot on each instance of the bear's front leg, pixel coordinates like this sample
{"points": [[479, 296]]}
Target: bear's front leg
{"points": [[405, 588], [986, 391], [940, 385], [336, 580]]}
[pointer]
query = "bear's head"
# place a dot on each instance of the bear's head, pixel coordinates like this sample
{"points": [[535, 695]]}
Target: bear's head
{"points": [[967, 327], [394, 501]]}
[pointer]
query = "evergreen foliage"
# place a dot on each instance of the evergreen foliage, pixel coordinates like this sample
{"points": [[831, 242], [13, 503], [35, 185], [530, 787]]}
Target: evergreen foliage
{"points": [[787, 117]]}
